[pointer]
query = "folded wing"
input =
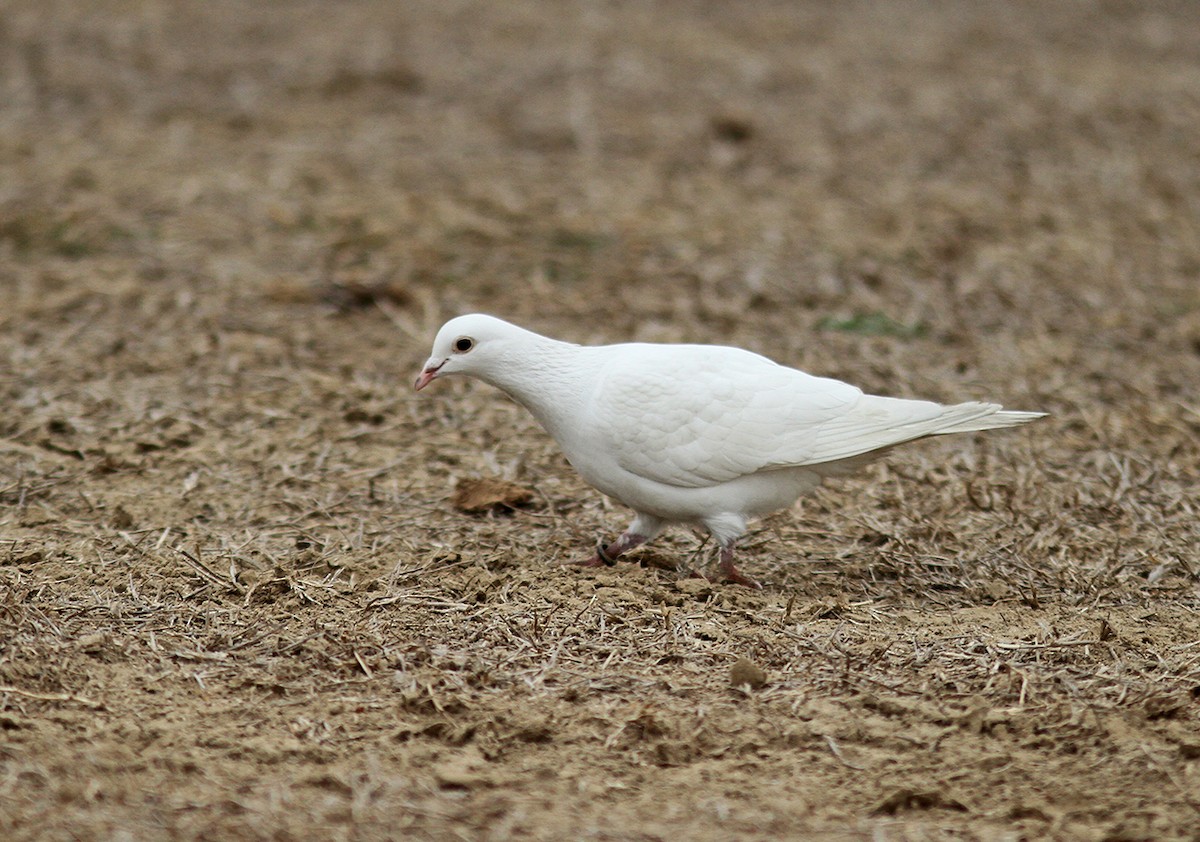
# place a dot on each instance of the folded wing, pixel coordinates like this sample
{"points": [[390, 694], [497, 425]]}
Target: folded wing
{"points": [[698, 416]]}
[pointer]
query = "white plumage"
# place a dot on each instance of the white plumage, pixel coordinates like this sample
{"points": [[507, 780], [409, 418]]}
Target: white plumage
{"points": [[697, 434]]}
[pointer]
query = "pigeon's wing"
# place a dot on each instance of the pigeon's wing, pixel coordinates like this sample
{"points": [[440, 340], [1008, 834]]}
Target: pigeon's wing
{"points": [[696, 416]]}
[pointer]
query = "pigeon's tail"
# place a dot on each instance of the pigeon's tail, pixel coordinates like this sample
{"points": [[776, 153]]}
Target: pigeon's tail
{"points": [[972, 417], [878, 424]]}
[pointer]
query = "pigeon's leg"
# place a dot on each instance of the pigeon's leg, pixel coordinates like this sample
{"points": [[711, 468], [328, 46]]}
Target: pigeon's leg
{"points": [[643, 529], [727, 528], [731, 574]]}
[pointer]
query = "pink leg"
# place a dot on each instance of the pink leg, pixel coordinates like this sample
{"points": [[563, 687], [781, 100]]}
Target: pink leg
{"points": [[607, 556], [731, 574]]}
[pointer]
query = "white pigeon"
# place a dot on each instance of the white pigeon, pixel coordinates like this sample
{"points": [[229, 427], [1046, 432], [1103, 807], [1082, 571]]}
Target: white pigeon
{"points": [[695, 434]]}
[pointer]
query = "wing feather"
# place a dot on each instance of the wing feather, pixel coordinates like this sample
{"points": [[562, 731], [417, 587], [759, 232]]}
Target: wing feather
{"points": [[699, 415], [696, 416]]}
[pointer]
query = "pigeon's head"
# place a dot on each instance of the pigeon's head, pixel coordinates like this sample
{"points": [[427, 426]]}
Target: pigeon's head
{"points": [[476, 345]]}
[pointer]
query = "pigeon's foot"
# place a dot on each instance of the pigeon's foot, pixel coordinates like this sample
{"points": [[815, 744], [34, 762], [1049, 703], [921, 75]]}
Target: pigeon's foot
{"points": [[591, 561], [730, 573], [607, 556]]}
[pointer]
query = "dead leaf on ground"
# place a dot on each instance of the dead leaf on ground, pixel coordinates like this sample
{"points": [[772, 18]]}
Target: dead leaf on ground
{"points": [[485, 493]]}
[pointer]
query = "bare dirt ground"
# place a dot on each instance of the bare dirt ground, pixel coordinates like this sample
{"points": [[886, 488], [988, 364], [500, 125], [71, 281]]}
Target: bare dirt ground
{"points": [[236, 600]]}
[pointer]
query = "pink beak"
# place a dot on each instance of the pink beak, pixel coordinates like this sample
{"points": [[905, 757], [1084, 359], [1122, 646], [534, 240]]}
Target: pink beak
{"points": [[427, 375]]}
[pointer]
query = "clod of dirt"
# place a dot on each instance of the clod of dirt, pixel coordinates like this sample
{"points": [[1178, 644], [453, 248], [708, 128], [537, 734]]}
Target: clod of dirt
{"points": [[93, 643], [485, 493], [1165, 705], [25, 558], [347, 295], [905, 799], [286, 291], [746, 673], [348, 81], [9, 722], [358, 415], [695, 588], [59, 427], [121, 519], [463, 771], [732, 128]]}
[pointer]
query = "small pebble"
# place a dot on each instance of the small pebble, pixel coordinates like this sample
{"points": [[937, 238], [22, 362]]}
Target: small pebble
{"points": [[747, 674]]}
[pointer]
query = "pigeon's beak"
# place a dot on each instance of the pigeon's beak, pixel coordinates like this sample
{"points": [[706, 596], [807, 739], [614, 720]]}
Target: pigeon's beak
{"points": [[428, 374]]}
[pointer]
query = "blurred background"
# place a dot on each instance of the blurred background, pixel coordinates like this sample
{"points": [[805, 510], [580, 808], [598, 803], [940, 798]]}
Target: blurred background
{"points": [[619, 169]]}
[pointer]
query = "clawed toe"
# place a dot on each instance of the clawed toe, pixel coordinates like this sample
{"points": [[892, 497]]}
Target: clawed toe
{"points": [[603, 557], [733, 577], [731, 574]]}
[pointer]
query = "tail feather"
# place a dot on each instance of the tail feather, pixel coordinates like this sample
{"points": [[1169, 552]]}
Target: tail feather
{"points": [[992, 418], [879, 424]]}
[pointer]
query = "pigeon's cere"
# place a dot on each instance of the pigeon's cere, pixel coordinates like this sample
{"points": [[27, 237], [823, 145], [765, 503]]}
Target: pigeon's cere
{"points": [[696, 434]]}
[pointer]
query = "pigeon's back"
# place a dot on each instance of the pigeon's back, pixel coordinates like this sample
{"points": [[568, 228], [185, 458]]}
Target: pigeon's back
{"points": [[695, 416], [700, 415]]}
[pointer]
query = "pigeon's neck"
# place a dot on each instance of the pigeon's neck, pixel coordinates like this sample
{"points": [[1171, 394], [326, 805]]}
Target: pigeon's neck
{"points": [[553, 380]]}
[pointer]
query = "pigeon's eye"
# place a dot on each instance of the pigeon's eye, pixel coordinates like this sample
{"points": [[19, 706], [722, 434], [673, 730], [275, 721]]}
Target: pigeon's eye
{"points": [[464, 344]]}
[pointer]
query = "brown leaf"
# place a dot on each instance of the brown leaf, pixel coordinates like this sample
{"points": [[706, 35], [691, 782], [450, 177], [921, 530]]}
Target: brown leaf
{"points": [[484, 493]]}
